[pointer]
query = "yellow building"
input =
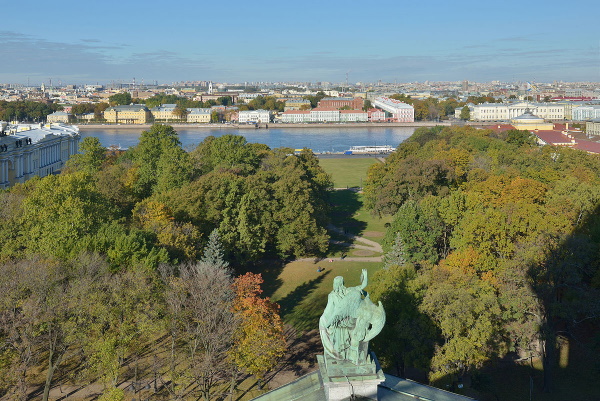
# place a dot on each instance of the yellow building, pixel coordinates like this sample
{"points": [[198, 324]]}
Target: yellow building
{"points": [[198, 115], [130, 114], [297, 104], [164, 113], [59, 117]]}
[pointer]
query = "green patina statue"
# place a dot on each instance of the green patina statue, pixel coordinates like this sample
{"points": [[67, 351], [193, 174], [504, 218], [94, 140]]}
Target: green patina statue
{"points": [[349, 321]]}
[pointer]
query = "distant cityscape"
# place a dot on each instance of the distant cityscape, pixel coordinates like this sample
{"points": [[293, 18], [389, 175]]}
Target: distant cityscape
{"points": [[29, 148], [336, 102]]}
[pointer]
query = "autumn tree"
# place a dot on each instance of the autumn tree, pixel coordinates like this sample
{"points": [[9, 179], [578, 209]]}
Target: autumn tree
{"points": [[259, 341]]}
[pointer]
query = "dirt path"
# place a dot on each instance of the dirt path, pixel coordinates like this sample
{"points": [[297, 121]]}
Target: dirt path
{"points": [[366, 245]]}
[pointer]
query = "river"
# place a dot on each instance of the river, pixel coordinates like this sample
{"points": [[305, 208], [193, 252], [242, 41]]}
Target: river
{"points": [[320, 140]]}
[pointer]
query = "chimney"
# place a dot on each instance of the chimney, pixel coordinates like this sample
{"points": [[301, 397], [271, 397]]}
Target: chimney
{"points": [[567, 126]]}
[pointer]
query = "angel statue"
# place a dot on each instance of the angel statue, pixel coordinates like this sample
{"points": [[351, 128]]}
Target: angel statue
{"points": [[349, 321]]}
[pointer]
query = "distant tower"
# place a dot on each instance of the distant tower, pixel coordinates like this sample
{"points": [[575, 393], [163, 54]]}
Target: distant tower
{"points": [[465, 86], [210, 88], [43, 87]]}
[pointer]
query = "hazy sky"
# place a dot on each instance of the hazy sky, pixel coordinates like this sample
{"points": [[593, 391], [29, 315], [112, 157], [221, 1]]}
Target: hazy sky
{"points": [[307, 40]]}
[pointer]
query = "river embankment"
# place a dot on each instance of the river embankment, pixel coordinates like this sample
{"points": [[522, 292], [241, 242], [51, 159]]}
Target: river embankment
{"points": [[270, 125]]}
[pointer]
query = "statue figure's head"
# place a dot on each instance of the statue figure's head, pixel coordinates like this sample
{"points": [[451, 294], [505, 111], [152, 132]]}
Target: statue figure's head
{"points": [[338, 283]]}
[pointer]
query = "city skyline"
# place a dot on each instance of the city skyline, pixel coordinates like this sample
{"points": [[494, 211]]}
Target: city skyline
{"points": [[312, 41]]}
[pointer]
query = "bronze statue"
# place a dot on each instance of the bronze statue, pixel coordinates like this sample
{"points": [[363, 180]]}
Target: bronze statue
{"points": [[349, 321]]}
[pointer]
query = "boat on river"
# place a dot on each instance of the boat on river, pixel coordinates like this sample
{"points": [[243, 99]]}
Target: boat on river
{"points": [[370, 150]]}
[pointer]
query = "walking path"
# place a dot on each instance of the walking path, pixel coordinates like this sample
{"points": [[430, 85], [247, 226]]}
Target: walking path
{"points": [[370, 245], [366, 245]]}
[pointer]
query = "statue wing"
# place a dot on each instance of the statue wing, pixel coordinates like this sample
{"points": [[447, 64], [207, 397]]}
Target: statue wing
{"points": [[377, 322]]}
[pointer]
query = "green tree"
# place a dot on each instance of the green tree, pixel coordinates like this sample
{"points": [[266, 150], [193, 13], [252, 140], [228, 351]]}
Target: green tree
{"points": [[162, 163], [396, 255], [99, 110], [122, 98], [227, 151], [409, 337], [59, 213], [213, 252], [92, 155], [180, 112], [465, 113]]}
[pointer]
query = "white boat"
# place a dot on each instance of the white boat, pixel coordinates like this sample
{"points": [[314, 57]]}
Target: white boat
{"points": [[371, 150]]}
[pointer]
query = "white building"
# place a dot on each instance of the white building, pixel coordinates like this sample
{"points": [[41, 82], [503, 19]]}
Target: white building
{"points": [[323, 115], [508, 111], [254, 116], [585, 113], [295, 116], [400, 111], [27, 150], [353, 116]]}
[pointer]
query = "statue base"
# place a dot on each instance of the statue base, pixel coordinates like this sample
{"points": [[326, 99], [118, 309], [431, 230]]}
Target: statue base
{"points": [[343, 380]]}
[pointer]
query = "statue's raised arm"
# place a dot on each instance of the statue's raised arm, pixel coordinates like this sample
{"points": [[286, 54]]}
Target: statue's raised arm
{"points": [[363, 279]]}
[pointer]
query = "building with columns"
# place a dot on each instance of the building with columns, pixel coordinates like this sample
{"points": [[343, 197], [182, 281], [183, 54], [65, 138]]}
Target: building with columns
{"points": [[28, 150], [508, 111], [587, 112], [593, 127]]}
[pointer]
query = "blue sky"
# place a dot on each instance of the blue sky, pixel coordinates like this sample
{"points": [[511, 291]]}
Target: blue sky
{"points": [[308, 40]]}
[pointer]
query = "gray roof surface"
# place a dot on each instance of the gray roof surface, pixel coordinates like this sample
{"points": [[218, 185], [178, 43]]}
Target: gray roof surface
{"points": [[397, 389], [134, 107], [310, 388]]}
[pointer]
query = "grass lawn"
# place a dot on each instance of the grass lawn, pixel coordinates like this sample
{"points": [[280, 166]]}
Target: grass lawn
{"points": [[349, 213], [302, 291], [348, 172]]}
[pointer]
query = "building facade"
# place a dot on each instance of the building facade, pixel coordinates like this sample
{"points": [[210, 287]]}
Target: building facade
{"points": [[295, 116], [59, 117], [400, 111], [297, 104], [503, 112], [323, 115], [376, 115], [593, 127], [353, 116], [198, 115], [355, 103], [130, 114], [164, 112], [254, 116], [585, 113], [28, 150]]}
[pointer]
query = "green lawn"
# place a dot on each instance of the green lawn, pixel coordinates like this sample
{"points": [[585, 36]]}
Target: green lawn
{"points": [[302, 291], [349, 213], [348, 172]]}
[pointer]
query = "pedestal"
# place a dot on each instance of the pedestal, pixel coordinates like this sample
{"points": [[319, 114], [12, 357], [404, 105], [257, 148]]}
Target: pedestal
{"points": [[343, 379]]}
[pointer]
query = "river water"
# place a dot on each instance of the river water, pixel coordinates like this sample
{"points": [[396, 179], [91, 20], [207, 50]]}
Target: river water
{"points": [[320, 140]]}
